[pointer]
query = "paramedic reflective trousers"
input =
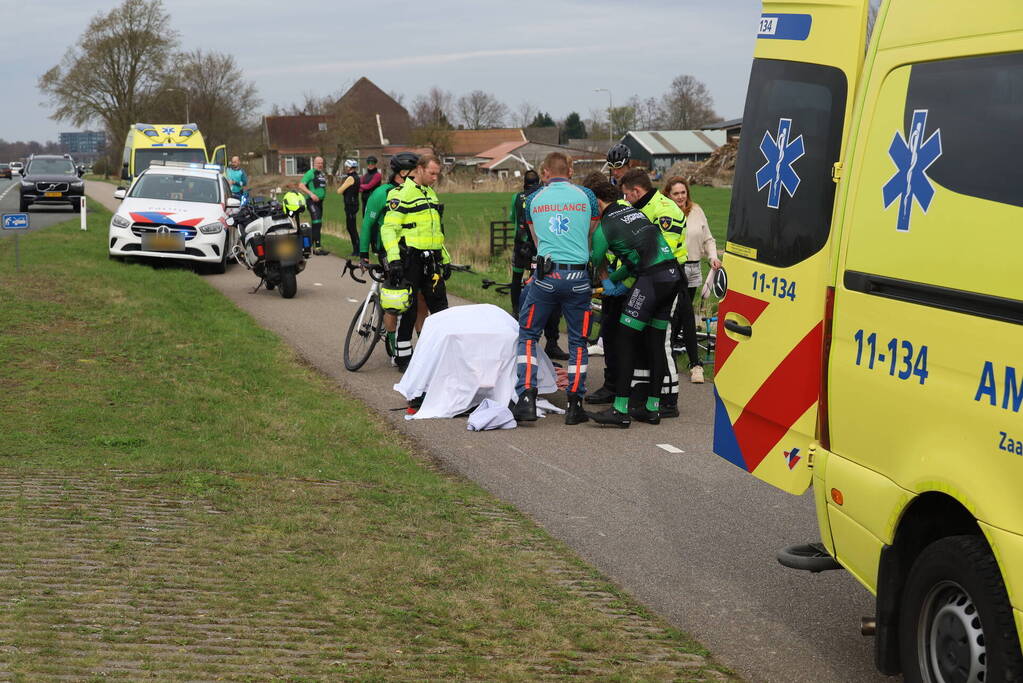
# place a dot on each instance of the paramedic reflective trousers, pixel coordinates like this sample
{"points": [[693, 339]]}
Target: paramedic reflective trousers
{"points": [[570, 290]]}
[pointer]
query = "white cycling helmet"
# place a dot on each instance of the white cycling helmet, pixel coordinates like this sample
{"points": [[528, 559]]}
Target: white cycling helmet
{"points": [[351, 163]]}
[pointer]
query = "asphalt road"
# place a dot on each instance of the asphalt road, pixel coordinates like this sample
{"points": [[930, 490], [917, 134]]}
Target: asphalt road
{"points": [[688, 534], [40, 216]]}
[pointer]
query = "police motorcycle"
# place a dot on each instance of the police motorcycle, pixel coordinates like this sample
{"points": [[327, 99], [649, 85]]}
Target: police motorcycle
{"points": [[273, 243]]}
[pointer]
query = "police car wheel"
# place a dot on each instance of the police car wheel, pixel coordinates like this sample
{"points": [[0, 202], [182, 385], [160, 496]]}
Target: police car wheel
{"points": [[955, 623]]}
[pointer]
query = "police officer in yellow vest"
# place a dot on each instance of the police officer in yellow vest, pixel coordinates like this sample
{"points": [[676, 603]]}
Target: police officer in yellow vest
{"points": [[662, 211], [414, 242]]}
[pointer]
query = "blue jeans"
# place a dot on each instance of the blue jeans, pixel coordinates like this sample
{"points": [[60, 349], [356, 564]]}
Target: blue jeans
{"points": [[570, 291]]}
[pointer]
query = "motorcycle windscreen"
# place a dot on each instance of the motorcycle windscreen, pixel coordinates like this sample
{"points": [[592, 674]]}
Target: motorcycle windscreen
{"points": [[771, 319]]}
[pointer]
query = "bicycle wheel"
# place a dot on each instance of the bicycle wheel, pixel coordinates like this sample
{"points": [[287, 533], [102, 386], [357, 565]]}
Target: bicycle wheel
{"points": [[363, 334]]}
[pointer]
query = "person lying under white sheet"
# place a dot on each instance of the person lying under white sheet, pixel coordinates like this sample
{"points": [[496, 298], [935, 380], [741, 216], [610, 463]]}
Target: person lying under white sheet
{"points": [[464, 355]]}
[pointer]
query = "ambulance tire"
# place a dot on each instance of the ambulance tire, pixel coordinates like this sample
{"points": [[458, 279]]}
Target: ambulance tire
{"points": [[955, 598]]}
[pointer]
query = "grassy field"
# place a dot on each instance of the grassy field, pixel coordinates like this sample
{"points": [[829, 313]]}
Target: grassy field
{"points": [[180, 497]]}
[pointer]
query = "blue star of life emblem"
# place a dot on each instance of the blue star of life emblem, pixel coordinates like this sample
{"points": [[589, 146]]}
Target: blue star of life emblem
{"points": [[558, 224], [168, 131], [912, 158], [780, 153]]}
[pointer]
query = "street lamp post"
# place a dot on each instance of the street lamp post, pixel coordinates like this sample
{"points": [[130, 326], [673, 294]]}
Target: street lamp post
{"points": [[185, 93], [610, 108]]}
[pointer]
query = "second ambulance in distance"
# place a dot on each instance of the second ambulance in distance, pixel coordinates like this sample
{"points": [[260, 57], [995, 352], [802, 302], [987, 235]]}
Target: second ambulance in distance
{"points": [[176, 211]]}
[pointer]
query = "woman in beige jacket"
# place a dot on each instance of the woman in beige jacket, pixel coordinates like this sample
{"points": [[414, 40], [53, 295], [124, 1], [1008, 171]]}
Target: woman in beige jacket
{"points": [[700, 245]]}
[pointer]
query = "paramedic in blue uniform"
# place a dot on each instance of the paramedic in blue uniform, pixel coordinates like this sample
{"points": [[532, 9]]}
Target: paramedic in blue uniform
{"points": [[561, 216]]}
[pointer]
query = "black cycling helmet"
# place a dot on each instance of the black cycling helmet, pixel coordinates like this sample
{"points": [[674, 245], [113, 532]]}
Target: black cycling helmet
{"points": [[530, 179], [618, 155], [371, 160], [404, 161]]}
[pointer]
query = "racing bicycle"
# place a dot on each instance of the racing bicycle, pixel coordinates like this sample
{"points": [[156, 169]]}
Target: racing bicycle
{"points": [[367, 326]]}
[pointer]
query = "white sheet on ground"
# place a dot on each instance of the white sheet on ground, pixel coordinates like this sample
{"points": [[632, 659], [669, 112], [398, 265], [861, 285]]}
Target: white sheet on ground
{"points": [[464, 355]]}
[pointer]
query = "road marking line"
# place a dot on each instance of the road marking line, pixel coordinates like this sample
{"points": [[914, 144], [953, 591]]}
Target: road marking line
{"points": [[317, 284], [7, 190], [351, 300], [668, 447]]}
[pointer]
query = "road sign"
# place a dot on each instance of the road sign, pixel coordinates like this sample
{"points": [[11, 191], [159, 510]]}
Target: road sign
{"points": [[15, 221]]}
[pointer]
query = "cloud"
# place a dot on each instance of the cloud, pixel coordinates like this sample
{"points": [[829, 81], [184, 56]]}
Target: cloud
{"points": [[416, 60]]}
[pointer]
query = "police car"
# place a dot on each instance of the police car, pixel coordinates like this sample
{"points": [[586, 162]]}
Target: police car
{"points": [[176, 211]]}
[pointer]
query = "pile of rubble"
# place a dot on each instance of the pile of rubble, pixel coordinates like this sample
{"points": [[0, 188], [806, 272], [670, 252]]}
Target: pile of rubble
{"points": [[716, 171]]}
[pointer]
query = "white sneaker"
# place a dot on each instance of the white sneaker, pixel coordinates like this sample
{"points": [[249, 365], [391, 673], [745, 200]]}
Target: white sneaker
{"points": [[696, 374], [595, 350]]}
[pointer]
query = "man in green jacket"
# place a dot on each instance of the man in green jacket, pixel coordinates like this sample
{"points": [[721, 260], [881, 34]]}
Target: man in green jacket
{"points": [[644, 255], [314, 186], [369, 237]]}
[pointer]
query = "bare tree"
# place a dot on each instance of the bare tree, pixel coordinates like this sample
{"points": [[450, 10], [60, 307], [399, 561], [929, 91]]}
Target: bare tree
{"points": [[436, 137], [220, 100], [115, 70], [345, 129], [398, 97], [688, 104], [480, 109], [525, 113], [432, 109], [648, 114], [623, 119]]}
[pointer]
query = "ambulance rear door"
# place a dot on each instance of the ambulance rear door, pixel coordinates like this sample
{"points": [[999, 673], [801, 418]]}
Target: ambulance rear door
{"points": [[219, 157], [807, 59]]}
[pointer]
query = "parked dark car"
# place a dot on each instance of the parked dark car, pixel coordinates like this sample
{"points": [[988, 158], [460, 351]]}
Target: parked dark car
{"points": [[5, 170], [51, 179]]}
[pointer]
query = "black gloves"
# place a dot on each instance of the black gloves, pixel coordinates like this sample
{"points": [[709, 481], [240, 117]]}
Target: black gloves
{"points": [[445, 271], [395, 271]]}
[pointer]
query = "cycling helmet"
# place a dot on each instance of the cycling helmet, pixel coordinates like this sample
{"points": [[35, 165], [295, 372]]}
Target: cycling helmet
{"points": [[292, 201], [618, 155], [351, 163], [371, 160], [404, 161], [395, 297]]}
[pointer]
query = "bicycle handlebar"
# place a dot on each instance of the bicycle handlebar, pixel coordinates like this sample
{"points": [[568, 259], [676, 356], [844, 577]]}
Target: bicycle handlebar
{"points": [[376, 272]]}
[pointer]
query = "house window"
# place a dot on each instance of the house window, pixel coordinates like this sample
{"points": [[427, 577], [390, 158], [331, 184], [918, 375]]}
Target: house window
{"points": [[449, 161], [289, 166], [502, 173], [322, 126]]}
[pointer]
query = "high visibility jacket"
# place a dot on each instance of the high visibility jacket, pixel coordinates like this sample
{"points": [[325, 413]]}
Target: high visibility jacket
{"points": [[412, 219], [664, 213]]}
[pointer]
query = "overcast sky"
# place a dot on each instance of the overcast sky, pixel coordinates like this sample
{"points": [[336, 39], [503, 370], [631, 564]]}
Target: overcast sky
{"points": [[553, 54]]}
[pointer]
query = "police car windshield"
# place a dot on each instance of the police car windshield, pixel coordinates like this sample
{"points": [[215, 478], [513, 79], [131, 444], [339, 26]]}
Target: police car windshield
{"points": [[51, 167], [176, 188], [143, 157]]}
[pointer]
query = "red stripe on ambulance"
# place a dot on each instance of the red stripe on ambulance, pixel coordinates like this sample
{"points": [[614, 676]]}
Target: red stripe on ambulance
{"points": [[782, 399]]}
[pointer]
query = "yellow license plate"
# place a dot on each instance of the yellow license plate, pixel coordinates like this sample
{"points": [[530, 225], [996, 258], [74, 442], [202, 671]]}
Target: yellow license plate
{"points": [[286, 249], [52, 194]]}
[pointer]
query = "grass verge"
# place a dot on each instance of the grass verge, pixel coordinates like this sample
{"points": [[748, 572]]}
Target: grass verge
{"points": [[181, 498]]}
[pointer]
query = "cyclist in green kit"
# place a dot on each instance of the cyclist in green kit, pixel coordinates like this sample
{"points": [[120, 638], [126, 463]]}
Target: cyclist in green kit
{"points": [[314, 185], [369, 238], [645, 255]]}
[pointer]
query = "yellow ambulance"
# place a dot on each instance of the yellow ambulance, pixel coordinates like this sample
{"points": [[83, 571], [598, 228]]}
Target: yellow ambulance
{"points": [[147, 142], [872, 336]]}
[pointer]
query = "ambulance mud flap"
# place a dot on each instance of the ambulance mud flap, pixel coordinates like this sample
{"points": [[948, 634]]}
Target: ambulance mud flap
{"points": [[810, 557]]}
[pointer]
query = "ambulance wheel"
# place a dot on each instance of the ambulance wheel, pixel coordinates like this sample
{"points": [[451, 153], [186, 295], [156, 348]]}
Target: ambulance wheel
{"points": [[955, 621]]}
